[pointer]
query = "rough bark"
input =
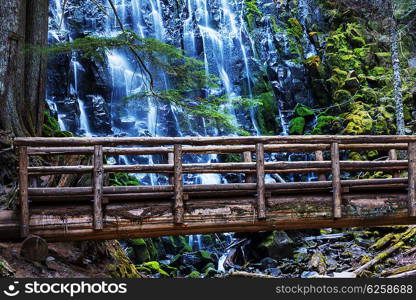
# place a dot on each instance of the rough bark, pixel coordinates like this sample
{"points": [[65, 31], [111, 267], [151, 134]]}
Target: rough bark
{"points": [[22, 73]]}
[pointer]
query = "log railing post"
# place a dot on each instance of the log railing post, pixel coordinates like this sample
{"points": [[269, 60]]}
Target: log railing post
{"points": [[98, 180], [23, 190], [178, 209], [171, 162], [412, 179], [247, 159], [261, 189], [319, 156], [336, 180], [393, 156]]}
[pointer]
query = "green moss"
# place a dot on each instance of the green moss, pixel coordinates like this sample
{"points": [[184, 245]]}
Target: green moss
{"points": [[252, 12], [155, 268], [50, 127], [266, 113], [342, 95], [122, 267], [297, 125], [327, 125], [303, 111], [6, 270], [358, 123], [295, 28], [194, 274]]}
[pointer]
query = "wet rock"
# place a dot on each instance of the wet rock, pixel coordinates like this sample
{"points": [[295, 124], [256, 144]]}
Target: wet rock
{"points": [[308, 274], [101, 118], [198, 259], [268, 262], [345, 275], [34, 248], [274, 272], [277, 245], [318, 262]]}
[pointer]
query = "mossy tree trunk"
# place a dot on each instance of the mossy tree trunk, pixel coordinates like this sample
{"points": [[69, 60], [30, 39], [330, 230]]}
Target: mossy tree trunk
{"points": [[22, 74], [397, 79]]}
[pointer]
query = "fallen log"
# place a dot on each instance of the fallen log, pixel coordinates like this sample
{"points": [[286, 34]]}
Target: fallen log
{"points": [[404, 274], [249, 275], [399, 243], [151, 218]]}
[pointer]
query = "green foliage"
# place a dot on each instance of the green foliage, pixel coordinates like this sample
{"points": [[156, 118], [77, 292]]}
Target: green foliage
{"points": [[252, 12], [295, 28], [123, 179]]}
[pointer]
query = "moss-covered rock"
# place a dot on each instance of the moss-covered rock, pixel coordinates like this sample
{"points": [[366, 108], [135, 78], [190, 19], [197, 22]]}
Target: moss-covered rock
{"points": [[297, 125], [5, 269], [50, 127], [277, 245], [194, 274], [122, 267], [303, 111], [266, 115], [154, 267], [327, 125]]}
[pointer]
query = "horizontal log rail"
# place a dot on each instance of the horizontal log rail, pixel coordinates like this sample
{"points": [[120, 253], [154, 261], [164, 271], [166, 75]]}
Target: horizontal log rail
{"points": [[180, 208]]}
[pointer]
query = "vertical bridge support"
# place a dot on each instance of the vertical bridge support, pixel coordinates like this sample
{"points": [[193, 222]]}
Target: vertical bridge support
{"points": [[247, 159], [319, 156], [412, 180], [261, 189], [336, 180], [178, 209], [98, 179], [23, 190]]}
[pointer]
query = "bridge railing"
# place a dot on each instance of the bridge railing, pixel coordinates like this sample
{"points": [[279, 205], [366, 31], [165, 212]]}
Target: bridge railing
{"points": [[254, 170]]}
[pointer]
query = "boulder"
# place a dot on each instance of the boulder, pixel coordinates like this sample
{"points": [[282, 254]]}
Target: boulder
{"points": [[277, 245]]}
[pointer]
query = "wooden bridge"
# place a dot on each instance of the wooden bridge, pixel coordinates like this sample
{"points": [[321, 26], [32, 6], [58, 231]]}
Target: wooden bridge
{"points": [[100, 211]]}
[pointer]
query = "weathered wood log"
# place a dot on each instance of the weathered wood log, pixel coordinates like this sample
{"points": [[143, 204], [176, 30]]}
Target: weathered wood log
{"points": [[171, 162], [393, 156], [23, 191], [248, 159], [178, 185], [98, 179], [210, 149], [412, 179], [319, 156], [404, 274], [154, 218], [336, 180], [248, 275], [389, 251], [261, 188], [64, 191], [243, 167], [227, 140]]}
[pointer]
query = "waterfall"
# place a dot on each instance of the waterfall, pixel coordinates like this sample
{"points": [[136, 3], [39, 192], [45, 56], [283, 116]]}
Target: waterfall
{"points": [[212, 31]]}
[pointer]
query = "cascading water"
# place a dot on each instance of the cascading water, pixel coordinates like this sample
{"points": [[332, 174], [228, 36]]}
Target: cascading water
{"points": [[213, 31]]}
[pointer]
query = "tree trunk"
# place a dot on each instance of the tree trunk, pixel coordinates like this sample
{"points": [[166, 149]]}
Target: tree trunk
{"points": [[22, 74], [397, 81]]}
